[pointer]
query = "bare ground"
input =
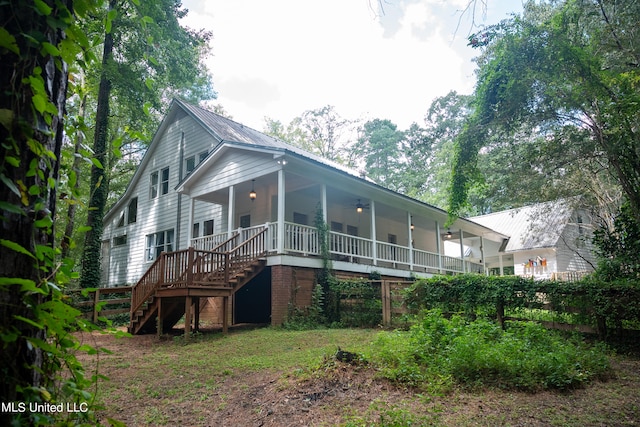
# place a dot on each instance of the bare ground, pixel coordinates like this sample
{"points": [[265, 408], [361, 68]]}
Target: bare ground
{"points": [[342, 394]]}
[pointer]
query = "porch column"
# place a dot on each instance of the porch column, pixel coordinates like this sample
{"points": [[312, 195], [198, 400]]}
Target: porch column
{"points": [[281, 205], [439, 247], [374, 249], [231, 211], [190, 221], [323, 201], [501, 265], [410, 234], [482, 260], [464, 270]]}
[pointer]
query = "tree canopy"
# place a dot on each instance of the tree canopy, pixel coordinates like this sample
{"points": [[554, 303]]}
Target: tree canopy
{"points": [[562, 79]]}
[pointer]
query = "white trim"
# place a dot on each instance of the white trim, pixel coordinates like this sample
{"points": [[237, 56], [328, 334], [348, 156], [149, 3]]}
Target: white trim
{"points": [[281, 211]]}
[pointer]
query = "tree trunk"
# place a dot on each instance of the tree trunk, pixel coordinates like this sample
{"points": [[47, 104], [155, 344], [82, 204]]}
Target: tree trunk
{"points": [[27, 190], [90, 277]]}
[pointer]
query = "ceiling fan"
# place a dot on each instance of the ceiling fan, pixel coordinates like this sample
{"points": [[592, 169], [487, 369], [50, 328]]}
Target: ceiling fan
{"points": [[361, 206]]}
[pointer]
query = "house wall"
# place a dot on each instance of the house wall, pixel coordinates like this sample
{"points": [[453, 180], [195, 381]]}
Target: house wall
{"points": [[127, 261], [231, 169], [575, 247], [520, 259]]}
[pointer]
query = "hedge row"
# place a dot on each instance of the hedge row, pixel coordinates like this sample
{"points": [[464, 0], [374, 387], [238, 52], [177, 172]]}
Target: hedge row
{"points": [[602, 305]]}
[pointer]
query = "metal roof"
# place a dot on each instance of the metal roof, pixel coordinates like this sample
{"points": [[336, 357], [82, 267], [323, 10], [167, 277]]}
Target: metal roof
{"points": [[228, 130], [530, 227]]}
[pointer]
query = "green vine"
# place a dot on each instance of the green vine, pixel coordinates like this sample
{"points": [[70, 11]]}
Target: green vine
{"points": [[324, 277], [38, 328]]}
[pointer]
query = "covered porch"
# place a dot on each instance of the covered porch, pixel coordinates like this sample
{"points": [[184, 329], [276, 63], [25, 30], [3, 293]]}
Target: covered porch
{"points": [[369, 228], [303, 240]]}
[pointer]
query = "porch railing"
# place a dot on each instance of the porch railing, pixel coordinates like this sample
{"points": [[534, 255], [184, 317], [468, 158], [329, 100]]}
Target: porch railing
{"points": [[303, 240]]}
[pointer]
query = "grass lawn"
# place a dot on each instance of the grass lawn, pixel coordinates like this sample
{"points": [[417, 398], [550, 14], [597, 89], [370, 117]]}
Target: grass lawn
{"points": [[275, 377]]}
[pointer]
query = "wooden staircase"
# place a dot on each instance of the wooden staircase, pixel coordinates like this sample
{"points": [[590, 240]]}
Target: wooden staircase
{"points": [[176, 281]]}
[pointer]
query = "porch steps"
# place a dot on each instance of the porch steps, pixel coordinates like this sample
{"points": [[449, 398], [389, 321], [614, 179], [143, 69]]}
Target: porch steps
{"points": [[144, 320]]}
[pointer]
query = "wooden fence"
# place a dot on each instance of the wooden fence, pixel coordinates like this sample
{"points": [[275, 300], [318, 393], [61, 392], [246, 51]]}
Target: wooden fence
{"points": [[393, 308], [392, 301], [100, 306]]}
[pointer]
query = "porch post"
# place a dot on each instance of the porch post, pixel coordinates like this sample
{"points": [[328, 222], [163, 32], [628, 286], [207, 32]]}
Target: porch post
{"points": [[190, 221], [323, 201], [482, 260], [231, 211], [501, 265], [188, 317], [410, 234], [464, 269], [439, 247], [374, 249], [281, 206]]}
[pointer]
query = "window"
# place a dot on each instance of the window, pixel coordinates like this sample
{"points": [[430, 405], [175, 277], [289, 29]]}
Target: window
{"points": [[336, 226], [196, 230], [300, 218], [158, 243], [164, 184], [133, 211], [121, 220], [245, 221], [190, 164], [120, 240], [207, 228], [579, 220], [153, 185], [202, 156]]}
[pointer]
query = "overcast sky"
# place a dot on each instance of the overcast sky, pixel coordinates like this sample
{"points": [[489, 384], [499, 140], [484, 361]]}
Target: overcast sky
{"points": [[279, 58]]}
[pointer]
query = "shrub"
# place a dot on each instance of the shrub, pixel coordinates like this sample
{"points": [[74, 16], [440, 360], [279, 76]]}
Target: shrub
{"points": [[480, 353]]}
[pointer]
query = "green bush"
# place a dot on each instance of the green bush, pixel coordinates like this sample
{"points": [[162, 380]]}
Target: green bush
{"points": [[605, 305], [358, 303], [525, 356]]}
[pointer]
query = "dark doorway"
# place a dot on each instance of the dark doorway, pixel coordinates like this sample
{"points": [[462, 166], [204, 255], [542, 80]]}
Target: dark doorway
{"points": [[253, 300]]}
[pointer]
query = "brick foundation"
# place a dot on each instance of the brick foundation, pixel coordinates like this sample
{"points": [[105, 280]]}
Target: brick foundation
{"points": [[289, 285], [294, 285]]}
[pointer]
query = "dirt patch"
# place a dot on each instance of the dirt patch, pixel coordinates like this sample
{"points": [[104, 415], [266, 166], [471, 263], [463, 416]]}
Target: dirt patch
{"points": [[338, 394]]}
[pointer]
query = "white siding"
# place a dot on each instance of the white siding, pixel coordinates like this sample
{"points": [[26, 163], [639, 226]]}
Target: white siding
{"points": [[127, 262], [575, 247], [232, 168]]}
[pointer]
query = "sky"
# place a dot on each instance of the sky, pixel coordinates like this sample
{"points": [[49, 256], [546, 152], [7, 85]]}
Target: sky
{"points": [[279, 58]]}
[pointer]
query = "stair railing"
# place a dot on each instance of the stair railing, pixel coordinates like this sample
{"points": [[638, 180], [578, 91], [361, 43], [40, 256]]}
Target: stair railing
{"points": [[184, 267], [245, 254], [148, 283]]}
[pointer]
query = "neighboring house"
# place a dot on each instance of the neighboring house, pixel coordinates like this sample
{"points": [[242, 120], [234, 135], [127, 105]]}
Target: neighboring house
{"points": [[206, 179], [547, 240]]}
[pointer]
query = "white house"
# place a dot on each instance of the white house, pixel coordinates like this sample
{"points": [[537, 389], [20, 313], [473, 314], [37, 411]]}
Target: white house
{"points": [[547, 240], [235, 195]]}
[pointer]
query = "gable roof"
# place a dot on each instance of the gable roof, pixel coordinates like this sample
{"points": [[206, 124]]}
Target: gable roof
{"points": [[530, 227]]}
